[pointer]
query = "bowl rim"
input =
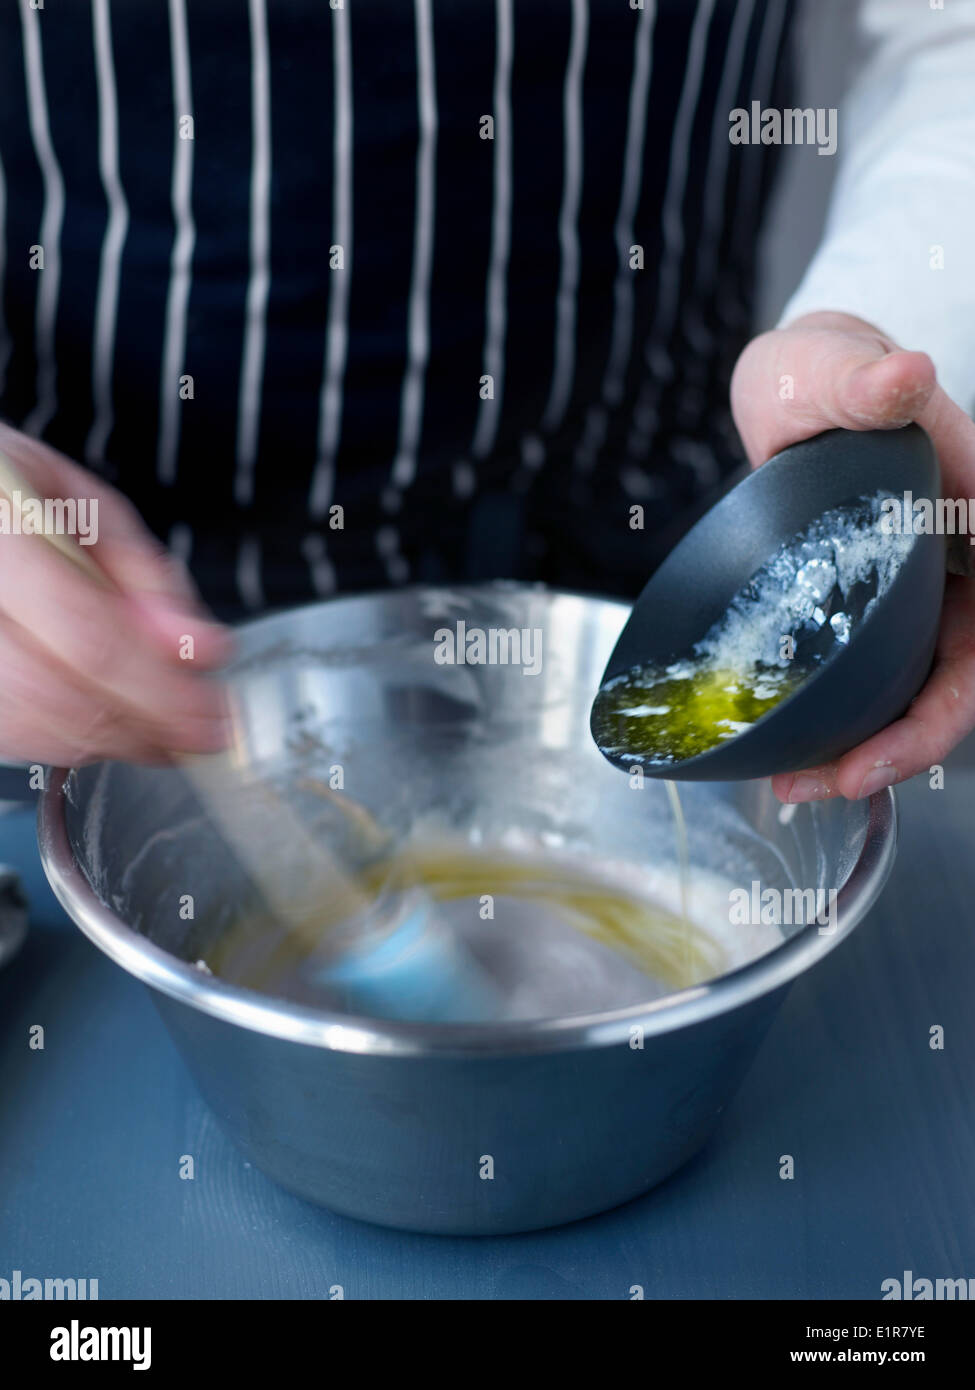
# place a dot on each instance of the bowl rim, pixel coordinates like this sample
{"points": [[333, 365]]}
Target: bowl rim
{"points": [[291, 1022]]}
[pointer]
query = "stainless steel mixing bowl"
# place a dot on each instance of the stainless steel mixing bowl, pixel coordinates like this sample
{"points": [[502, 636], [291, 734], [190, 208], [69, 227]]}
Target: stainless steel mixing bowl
{"points": [[396, 1122]]}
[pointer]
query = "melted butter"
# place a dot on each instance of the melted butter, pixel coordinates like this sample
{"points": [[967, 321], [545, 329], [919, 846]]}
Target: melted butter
{"points": [[815, 589], [525, 889], [665, 715], [664, 944], [683, 864]]}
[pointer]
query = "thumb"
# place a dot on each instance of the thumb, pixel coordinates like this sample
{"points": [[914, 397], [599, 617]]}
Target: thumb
{"points": [[823, 371]]}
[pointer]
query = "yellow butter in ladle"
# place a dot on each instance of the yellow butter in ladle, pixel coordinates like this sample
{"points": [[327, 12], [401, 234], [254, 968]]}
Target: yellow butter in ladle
{"points": [[795, 613], [664, 714]]}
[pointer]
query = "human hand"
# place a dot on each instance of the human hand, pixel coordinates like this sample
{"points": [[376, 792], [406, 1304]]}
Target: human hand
{"points": [[91, 671], [847, 373]]}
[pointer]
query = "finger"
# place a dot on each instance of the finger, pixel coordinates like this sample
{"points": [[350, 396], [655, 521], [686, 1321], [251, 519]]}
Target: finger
{"points": [[133, 560], [163, 596], [941, 715], [884, 394], [813, 784], [48, 717], [952, 432], [826, 371], [97, 634]]}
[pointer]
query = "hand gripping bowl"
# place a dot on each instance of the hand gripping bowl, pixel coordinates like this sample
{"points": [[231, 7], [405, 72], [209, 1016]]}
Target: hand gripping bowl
{"points": [[391, 1121]]}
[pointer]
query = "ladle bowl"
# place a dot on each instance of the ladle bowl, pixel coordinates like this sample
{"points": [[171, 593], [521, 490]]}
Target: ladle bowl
{"points": [[866, 684]]}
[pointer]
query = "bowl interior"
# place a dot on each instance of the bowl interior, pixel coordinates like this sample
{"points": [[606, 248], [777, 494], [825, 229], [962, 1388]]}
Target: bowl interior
{"points": [[477, 751]]}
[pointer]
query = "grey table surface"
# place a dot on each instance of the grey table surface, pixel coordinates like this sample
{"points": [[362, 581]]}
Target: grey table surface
{"points": [[881, 1128]]}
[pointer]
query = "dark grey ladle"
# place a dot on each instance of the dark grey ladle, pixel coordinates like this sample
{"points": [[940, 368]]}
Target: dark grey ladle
{"points": [[866, 684]]}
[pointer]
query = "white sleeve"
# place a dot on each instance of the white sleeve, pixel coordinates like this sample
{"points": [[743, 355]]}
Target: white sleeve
{"points": [[905, 190]]}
